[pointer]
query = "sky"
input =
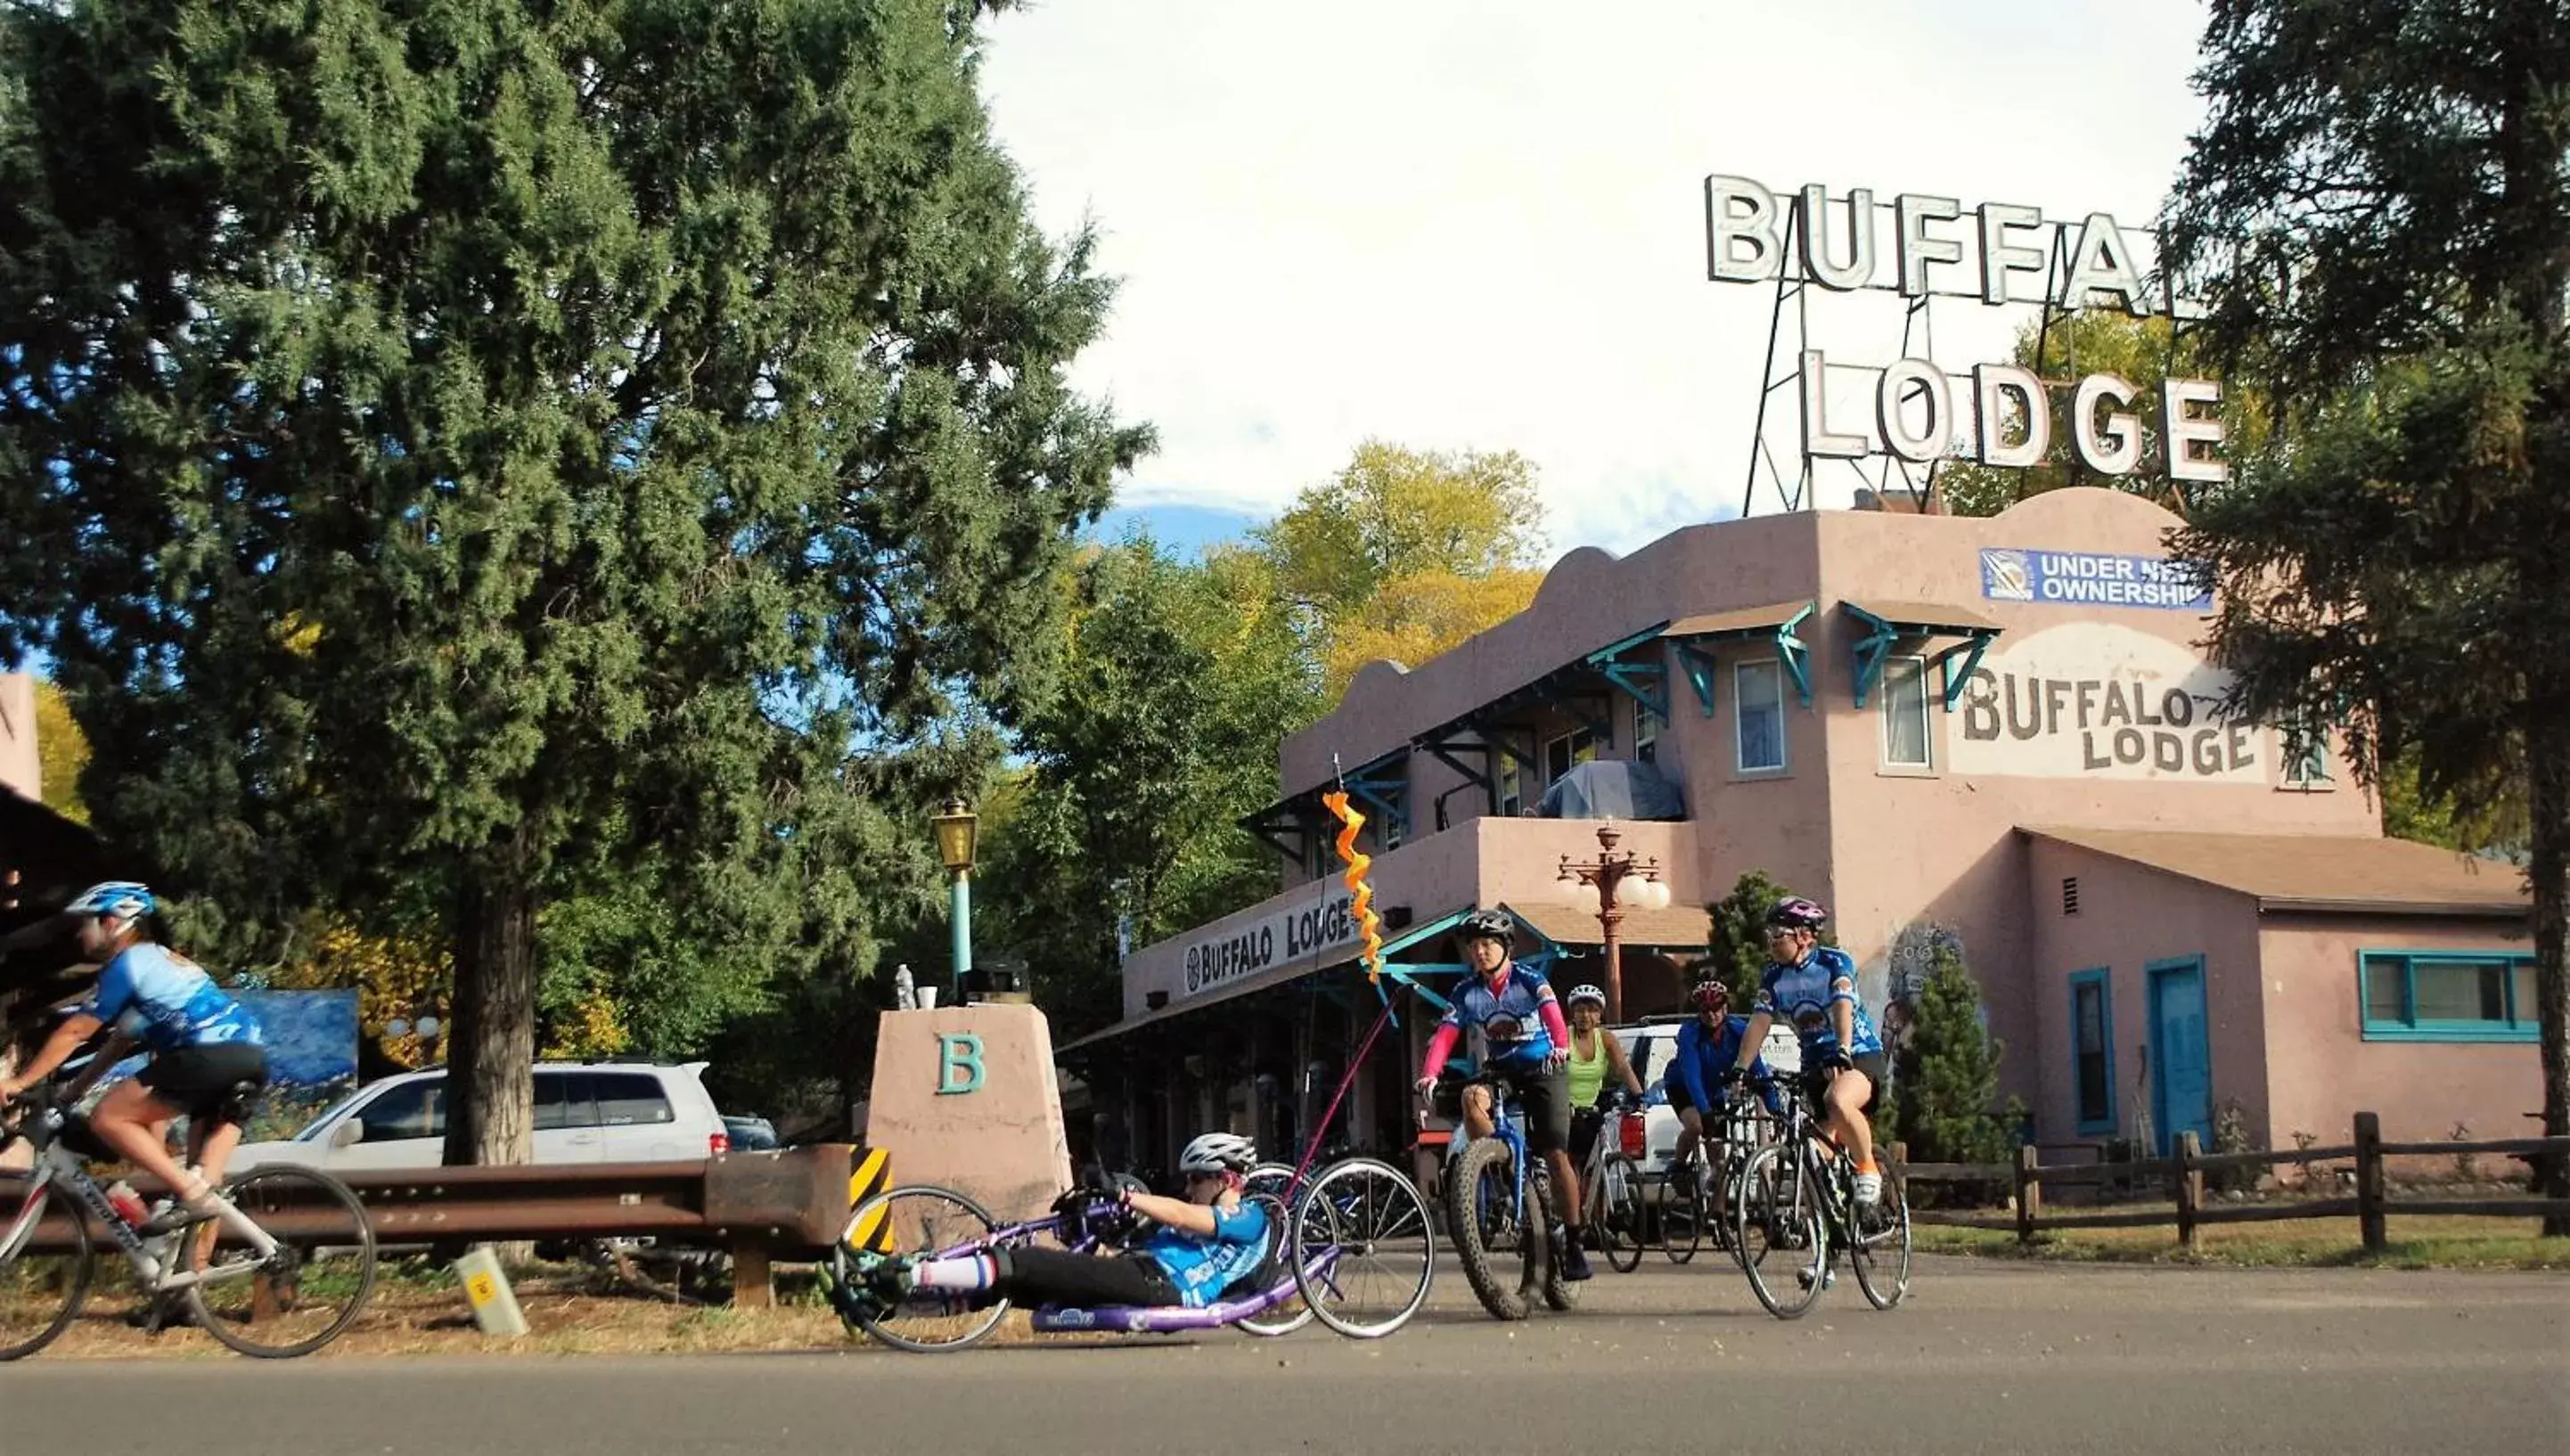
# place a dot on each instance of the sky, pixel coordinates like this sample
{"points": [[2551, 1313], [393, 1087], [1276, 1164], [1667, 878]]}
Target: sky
{"points": [[1480, 226]]}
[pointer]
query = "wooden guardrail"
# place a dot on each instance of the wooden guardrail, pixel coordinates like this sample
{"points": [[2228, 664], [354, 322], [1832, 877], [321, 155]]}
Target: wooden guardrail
{"points": [[2183, 1172]]}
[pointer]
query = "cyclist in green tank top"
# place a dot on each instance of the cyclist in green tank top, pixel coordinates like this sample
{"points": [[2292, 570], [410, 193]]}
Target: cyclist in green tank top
{"points": [[1594, 1052]]}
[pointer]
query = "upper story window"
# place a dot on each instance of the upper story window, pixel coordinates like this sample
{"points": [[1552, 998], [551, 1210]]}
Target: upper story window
{"points": [[1646, 734], [2307, 759], [1758, 715], [1512, 789], [1906, 740], [1579, 745]]}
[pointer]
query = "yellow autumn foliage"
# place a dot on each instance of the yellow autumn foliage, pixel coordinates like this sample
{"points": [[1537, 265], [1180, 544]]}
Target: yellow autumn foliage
{"points": [[396, 977], [1410, 619]]}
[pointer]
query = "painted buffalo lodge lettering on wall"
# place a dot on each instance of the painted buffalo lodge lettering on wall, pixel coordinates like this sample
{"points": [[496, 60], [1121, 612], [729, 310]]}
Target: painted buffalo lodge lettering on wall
{"points": [[2090, 700]]}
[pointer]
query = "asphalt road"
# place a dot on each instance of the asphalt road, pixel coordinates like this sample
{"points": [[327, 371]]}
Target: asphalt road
{"points": [[1986, 1357]]}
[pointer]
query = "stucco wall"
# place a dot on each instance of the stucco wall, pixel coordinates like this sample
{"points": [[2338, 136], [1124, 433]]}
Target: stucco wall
{"points": [[20, 771], [2324, 1072], [2130, 917]]}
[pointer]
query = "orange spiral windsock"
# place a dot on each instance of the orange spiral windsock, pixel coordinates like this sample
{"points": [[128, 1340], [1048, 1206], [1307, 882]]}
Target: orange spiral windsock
{"points": [[1360, 906]]}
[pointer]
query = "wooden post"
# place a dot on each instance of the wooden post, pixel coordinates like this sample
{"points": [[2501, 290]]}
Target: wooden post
{"points": [[2368, 1180], [2190, 1187], [2029, 1193], [751, 1289], [1900, 1172]]}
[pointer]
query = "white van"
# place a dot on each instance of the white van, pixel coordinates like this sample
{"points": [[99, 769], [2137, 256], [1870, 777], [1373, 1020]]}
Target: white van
{"points": [[585, 1111]]}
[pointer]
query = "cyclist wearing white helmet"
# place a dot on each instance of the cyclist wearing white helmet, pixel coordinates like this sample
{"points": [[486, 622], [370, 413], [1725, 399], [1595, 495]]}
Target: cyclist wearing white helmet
{"points": [[1814, 985], [1524, 1041], [1594, 1052], [1197, 1246], [204, 1047]]}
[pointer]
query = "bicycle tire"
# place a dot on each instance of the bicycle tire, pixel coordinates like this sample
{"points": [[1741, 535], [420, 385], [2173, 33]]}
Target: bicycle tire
{"points": [[1880, 1256], [1681, 1214], [286, 1315], [1774, 1211], [1272, 1179], [1381, 1228], [1560, 1293], [46, 1276], [1620, 1213], [939, 1221], [1479, 1163], [1296, 1311]]}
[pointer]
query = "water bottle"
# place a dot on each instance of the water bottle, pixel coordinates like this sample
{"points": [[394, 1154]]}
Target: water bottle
{"points": [[902, 987], [127, 1203]]}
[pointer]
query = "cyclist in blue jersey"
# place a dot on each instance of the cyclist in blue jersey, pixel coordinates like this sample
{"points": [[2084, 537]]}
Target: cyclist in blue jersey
{"points": [[1814, 987], [1697, 1080], [205, 1046], [1525, 1041], [1197, 1246]]}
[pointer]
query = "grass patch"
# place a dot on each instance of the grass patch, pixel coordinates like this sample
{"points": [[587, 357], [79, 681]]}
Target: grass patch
{"points": [[2415, 1242]]}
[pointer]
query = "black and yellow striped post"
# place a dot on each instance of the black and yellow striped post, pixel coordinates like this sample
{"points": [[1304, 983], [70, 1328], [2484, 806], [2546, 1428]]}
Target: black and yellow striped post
{"points": [[870, 1172]]}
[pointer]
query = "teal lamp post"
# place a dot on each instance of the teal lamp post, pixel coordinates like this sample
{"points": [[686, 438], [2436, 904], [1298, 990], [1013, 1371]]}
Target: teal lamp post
{"points": [[957, 828]]}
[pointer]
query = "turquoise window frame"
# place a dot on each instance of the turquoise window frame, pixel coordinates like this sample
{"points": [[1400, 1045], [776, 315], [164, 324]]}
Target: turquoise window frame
{"points": [[2520, 1025], [2104, 982]]}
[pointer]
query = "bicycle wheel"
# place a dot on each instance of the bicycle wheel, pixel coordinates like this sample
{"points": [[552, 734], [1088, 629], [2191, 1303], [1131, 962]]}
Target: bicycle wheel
{"points": [[1880, 1251], [1271, 1179], [1681, 1212], [1777, 1234], [1619, 1209], [298, 1299], [42, 1284], [1296, 1311], [1560, 1293], [920, 1220], [1481, 1217], [1372, 1216]]}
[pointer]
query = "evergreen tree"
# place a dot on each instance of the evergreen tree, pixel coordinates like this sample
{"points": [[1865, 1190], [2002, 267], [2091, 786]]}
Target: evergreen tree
{"points": [[1736, 940], [1946, 1080]]}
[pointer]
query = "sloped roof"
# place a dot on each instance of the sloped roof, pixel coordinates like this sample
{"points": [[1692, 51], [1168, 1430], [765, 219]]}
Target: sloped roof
{"points": [[2335, 872]]}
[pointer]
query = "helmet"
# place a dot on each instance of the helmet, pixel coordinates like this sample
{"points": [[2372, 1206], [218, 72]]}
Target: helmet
{"points": [[1586, 993], [1709, 996], [1489, 925], [1219, 1152], [1795, 913], [116, 898]]}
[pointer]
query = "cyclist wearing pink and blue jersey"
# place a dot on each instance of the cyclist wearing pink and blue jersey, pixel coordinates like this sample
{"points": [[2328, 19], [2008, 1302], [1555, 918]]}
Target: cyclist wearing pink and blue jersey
{"points": [[1814, 987]]}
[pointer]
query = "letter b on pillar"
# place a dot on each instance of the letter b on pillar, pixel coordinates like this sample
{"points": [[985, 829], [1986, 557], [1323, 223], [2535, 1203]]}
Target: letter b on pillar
{"points": [[959, 1064]]}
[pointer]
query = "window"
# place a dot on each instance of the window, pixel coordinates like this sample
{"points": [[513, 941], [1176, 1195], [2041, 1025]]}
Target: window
{"points": [[565, 1100], [411, 1110], [2092, 1050], [1904, 714], [1646, 734], [2448, 996], [1580, 746], [1758, 710], [625, 1099], [1512, 789], [2307, 758]]}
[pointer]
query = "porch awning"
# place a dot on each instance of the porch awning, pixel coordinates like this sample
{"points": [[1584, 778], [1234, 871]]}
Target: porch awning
{"points": [[1774, 623], [1885, 624]]}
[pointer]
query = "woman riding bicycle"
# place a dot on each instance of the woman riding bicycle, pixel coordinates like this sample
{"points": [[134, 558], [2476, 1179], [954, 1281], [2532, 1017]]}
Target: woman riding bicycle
{"points": [[1697, 1077], [1526, 1043], [1198, 1246], [205, 1046], [1814, 985], [1594, 1052]]}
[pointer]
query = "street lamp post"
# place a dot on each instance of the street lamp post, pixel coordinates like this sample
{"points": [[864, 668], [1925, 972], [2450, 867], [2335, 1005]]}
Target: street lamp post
{"points": [[957, 828], [1597, 885]]}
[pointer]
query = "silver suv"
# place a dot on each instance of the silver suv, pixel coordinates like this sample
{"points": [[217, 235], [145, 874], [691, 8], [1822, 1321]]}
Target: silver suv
{"points": [[585, 1111]]}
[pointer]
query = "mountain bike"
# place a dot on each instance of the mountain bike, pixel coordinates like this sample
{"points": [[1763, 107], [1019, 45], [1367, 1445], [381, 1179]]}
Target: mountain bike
{"points": [[1499, 1197], [282, 1266], [1793, 1208]]}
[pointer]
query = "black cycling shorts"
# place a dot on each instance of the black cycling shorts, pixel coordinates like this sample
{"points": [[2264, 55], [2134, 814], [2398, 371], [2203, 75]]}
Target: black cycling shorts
{"points": [[1061, 1276], [1871, 1064], [1680, 1100], [1545, 1098], [199, 1081]]}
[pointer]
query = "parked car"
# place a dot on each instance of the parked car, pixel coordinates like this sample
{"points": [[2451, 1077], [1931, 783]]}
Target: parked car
{"points": [[751, 1135], [585, 1111], [1649, 1047]]}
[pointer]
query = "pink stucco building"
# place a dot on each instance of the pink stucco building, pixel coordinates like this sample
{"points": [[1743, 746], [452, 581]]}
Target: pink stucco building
{"points": [[1994, 733]]}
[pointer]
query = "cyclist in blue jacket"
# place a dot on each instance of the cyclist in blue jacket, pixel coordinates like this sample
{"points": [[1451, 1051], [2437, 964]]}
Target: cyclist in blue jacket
{"points": [[1814, 985], [1697, 1080]]}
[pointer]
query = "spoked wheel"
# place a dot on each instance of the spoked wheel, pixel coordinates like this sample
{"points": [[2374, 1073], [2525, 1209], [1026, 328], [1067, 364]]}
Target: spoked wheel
{"points": [[1481, 1219], [919, 1222], [1620, 1210], [44, 1272], [1560, 1293], [1295, 1312], [1275, 1179], [296, 1299], [1776, 1234], [1879, 1253], [1373, 1215], [1682, 1213]]}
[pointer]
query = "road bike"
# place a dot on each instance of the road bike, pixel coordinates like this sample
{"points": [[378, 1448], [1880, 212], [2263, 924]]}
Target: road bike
{"points": [[1353, 1249], [1794, 1210], [1697, 1206], [1499, 1197], [281, 1265]]}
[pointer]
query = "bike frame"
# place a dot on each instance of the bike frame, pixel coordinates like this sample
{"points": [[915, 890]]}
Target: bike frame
{"points": [[1136, 1319], [1507, 1124], [56, 1165]]}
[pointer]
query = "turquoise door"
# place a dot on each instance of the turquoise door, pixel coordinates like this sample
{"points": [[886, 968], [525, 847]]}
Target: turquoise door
{"points": [[2181, 1054]]}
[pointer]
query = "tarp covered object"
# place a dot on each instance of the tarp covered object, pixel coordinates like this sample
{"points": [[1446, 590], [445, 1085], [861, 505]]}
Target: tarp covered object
{"points": [[1612, 790]]}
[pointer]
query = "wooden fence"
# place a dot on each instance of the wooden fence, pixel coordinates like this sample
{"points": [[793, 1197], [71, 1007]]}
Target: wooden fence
{"points": [[2183, 1175]]}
